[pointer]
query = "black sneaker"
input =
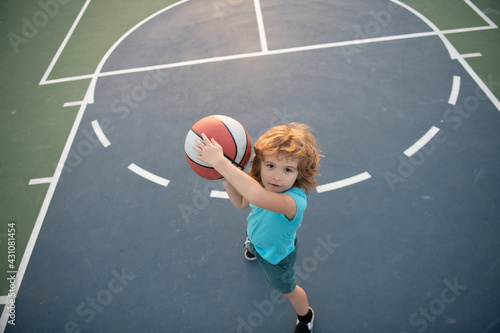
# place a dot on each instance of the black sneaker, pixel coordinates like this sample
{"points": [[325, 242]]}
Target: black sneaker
{"points": [[249, 256], [303, 327]]}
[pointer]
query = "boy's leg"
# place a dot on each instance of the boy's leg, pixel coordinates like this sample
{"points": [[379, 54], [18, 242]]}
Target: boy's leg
{"points": [[299, 301]]}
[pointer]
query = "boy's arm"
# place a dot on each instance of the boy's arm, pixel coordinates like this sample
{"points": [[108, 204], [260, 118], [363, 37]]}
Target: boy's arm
{"points": [[211, 152], [236, 198]]}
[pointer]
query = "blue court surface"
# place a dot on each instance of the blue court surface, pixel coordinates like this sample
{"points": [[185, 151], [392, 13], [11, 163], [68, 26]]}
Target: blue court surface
{"points": [[400, 236]]}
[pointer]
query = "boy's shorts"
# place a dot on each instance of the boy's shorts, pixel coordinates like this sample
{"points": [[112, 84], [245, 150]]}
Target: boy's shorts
{"points": [[281, 276]]}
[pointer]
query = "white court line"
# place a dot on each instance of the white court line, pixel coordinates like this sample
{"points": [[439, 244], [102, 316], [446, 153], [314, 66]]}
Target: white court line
{"points": [[260, 23], [69, 104], [343, 183], [219, 194], [461, 30], [451, 49], [4, 299], [480, 13], [148, 175], [245, 56], [422, 141], [455, 90], [39, 181], [472, 55], [21, 270], [68, 79], [480, 83], [100, 134], [93, 82], [65, 41], [260, 54]]}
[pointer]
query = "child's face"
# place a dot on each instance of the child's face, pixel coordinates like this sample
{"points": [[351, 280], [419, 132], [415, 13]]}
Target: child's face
{"points": [[278, 173]]}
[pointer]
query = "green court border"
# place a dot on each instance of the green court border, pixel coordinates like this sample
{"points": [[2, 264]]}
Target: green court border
{"points": [[34, 125]]}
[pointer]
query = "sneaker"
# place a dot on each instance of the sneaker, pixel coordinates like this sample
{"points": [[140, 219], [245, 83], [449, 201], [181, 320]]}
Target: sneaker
{"points": [[249, 256], [303, 327]]}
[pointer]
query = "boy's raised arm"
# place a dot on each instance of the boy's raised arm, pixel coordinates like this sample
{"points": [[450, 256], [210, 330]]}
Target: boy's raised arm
{"points": [[236, 198], [248, 187]]}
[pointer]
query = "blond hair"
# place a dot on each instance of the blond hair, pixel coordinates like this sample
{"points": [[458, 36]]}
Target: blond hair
{"points": [[293, 140]]}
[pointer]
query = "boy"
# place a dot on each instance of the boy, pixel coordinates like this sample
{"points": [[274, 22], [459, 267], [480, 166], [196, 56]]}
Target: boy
{"points": [[285, 162]]}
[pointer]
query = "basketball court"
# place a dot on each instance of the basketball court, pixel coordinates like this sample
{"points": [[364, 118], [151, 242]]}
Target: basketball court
{"points": [[400, 236]]}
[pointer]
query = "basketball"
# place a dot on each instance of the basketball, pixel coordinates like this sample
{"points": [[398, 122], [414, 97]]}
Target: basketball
{"points": [[229, 133]]}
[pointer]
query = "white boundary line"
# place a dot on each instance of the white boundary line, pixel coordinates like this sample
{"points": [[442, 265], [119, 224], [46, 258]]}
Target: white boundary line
{"points": [[455, 90], [65, 41], [148, 175], [100, 134], [343, 183], [260, 23], [422, 141], [43, 210]]}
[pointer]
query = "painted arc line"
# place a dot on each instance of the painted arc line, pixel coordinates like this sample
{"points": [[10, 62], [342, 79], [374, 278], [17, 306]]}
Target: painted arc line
{"points": [[91, 90], [66, 105], [472, 55], [148, 175], [260, 23], [455, 90], [451, 49], [40, 181], [343, 183], [219, 194], [100, 134], [422, 141]]}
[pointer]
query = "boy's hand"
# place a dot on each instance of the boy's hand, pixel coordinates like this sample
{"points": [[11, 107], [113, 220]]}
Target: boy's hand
{"points": [[210, 151]]}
